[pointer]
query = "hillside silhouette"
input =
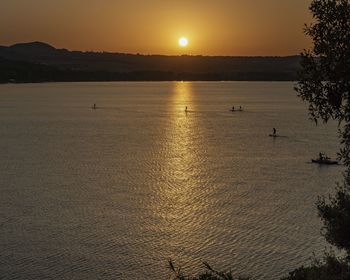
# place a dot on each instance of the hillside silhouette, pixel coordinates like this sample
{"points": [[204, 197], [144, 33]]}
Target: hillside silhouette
{"points": [[41, 62]]}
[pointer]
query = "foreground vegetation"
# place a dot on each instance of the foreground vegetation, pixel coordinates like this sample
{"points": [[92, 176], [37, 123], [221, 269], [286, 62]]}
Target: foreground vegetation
{"points": [[209, 274]]}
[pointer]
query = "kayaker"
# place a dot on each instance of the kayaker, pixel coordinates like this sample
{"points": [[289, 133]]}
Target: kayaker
{"points": [[94, 106], [240, 108], [186, 109], [274, 132], [233, 108], [321, 156]]}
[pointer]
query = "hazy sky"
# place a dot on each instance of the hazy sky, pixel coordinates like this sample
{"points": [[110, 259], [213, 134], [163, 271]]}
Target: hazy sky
{"points": [[213, 27]]}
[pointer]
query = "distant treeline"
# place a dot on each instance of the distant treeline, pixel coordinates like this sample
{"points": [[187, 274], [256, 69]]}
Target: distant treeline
{"points": [[39, 62], [25, 72]]}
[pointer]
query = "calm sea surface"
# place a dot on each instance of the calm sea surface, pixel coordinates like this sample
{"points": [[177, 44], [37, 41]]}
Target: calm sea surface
{"points": [[114, 193]]}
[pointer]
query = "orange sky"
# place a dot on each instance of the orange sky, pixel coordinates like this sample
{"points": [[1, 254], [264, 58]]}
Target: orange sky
{"points": [[213, 27]]}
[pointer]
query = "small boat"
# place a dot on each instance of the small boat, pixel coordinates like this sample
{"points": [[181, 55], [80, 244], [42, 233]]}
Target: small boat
{"points": [[236, 110], [324, 161], [276, 135]]}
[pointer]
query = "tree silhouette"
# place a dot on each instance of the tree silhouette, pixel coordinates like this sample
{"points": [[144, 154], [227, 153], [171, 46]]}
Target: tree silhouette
{"points": [[325, 85], [324, 79]]}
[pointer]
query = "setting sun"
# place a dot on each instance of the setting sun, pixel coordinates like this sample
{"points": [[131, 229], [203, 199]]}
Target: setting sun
{"points": [[183, 42]]}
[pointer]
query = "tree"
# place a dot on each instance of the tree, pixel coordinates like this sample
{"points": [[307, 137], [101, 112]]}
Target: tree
{"points": [[325, 84], [325, 73], [336, 217], [210, 274], [329, 268]]}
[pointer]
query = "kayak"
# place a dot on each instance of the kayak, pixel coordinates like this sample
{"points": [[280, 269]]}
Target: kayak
{"points": [[324, 161], [276, 135]]}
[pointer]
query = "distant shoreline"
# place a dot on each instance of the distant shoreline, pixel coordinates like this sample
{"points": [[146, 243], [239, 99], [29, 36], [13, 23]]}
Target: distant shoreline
{"points": [[136, 81], [20, 72], [39, 62]]}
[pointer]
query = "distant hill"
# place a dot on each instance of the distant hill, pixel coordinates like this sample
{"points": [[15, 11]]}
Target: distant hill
{"points": [[99, 66]]}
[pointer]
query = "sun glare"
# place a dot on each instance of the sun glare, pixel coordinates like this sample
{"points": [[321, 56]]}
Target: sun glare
{"points": [[183, 42]]}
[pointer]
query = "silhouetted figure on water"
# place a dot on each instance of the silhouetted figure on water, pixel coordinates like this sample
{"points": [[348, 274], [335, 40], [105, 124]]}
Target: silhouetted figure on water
{"points": [[240, 108], [94, 107], [233, 108], [274, 132], [186, 109]]}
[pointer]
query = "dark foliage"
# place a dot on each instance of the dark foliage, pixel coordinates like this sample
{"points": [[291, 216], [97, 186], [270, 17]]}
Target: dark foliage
{"points": [[335, 214], [209, 274], [330, 268], [325, 84], [325, 73]]}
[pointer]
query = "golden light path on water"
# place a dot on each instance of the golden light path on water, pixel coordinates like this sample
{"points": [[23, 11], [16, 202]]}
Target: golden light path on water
{"points": [[179, 204], [182, 149]]}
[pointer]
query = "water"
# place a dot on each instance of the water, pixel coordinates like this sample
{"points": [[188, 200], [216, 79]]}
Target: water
{"points": [[114, 193]]}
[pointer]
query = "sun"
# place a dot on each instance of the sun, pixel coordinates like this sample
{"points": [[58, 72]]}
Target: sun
{"points": [[183, 42]]}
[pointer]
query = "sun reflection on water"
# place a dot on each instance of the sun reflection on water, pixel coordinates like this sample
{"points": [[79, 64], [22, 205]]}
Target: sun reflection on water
{"points": [[180, 201], [181, 145]]}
